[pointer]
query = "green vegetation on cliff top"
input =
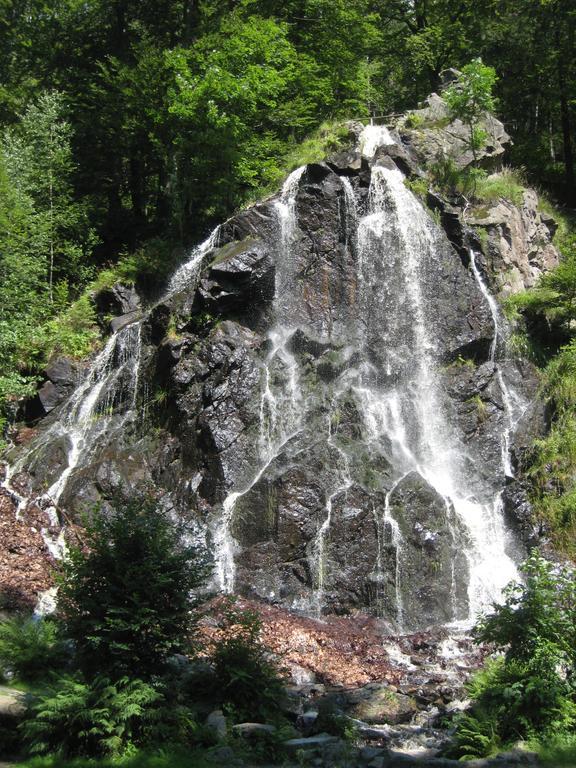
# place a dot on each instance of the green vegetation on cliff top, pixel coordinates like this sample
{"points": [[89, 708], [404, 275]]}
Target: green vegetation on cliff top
{"points": [[128, 127]]}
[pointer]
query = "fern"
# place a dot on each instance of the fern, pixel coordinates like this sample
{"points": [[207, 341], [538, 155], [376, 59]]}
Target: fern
{"points": [[99, 719]]}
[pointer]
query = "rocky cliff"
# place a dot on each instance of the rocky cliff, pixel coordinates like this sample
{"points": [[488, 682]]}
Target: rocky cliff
{"points": [[323, 392]]}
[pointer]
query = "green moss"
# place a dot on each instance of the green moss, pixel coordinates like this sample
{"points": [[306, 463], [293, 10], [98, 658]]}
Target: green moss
{"points": [[440, 123], [230, 250], [480, 407], [483, 237], [461, 362]]}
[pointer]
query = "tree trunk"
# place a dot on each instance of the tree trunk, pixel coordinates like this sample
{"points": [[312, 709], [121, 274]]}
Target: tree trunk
{"points": [[565, 120]]}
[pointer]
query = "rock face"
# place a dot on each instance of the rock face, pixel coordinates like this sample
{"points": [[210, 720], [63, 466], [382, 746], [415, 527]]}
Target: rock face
{"points": [[518, 247], [321, 394], [440, 137]]}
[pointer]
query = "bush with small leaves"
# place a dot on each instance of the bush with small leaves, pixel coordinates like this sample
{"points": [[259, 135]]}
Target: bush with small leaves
{"points": [[127, 597], [30, 649], [529, 692], [246, 677]]}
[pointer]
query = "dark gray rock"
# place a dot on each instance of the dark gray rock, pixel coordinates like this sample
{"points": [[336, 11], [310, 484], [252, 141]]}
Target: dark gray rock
{"points": [[520, 515], [430, 556], [64, 371], [50, 396], [401, 157], [347, 163], [312, 523], [63, 375], [117, 323], [216, 385], [249, 730], [120, 299], [260, 222], [239, 278], [311, 743]]}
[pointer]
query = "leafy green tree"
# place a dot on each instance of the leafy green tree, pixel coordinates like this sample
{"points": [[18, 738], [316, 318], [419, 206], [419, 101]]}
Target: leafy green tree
{"points": [[222, 91], [127, 595], [470, 98], [38, 154], [23, 301]]}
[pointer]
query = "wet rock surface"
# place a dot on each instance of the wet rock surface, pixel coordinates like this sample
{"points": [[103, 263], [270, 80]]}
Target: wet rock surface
{"points": [[251, 384]]}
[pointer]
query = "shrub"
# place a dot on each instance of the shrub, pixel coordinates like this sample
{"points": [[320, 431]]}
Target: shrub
{"points": [[127, 596], [470, 97], [557, 752], [476, 736], [530, 692], [95, 719], [30, 649], [248, 680], [414, 120]]}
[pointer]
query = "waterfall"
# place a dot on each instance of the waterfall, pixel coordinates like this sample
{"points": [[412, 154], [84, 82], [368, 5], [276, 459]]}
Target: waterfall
{"points": [[407, 418], [382, 366], [280, 398], [187, 272], [98, 410], [514, 405], [372, 137]]}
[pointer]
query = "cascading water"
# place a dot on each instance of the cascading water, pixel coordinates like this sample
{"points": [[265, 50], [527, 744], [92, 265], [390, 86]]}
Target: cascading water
{"points": [[98, 410], [400, 399], [408, 418], [280, 406], [514, 405], [372, 137], [395, 456]]}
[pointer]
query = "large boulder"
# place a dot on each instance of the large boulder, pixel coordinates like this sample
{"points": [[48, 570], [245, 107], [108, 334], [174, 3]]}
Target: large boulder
{"points": [[240, 278], [433, 570], [63, 374], [13, 703], [377, 704], [438, 136], [118, 300]]}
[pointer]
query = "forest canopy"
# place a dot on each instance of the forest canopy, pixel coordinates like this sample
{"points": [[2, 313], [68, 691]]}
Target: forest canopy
{"points": [[127, 127]]}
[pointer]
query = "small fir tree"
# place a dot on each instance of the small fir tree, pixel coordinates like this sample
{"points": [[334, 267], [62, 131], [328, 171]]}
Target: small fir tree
{"points": [[128, 594]]}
